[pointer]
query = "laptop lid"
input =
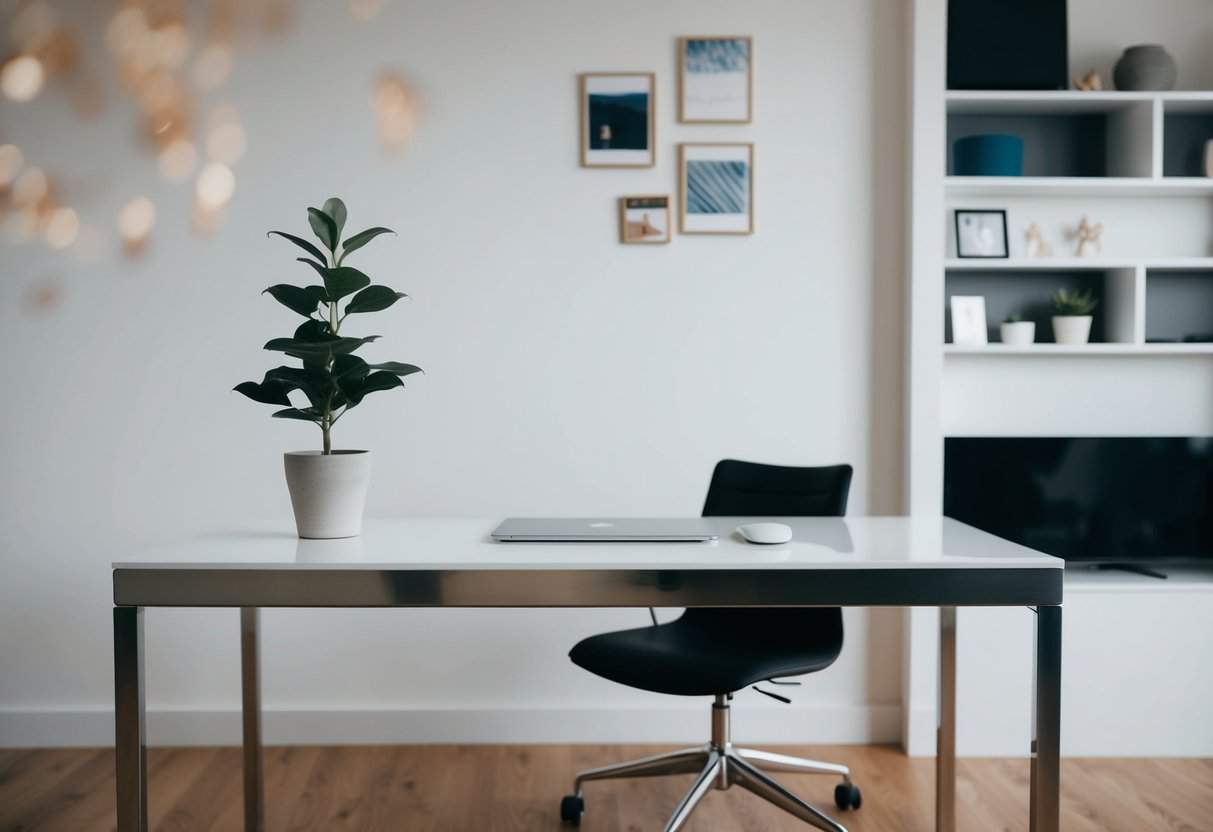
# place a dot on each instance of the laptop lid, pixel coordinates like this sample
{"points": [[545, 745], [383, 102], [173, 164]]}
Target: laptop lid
{"points": [[605, 529]]}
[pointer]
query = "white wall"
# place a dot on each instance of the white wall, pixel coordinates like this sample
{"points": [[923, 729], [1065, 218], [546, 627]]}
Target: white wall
{"points": [[566, 374]]}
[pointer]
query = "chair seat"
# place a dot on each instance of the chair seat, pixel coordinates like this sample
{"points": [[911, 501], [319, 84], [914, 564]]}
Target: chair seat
{"points": [[715, 651]]}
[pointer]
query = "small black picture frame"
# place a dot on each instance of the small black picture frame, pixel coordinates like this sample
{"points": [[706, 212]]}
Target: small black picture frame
{"points": [[981, 234]]}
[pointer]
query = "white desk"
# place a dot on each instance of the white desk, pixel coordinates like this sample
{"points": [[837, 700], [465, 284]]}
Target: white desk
{"points": [[431, 562]]}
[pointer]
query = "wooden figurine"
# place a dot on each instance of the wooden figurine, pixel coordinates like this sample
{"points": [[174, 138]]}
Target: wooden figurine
{"points": [[1091, 82], [1088, 237], [1034, 243]]}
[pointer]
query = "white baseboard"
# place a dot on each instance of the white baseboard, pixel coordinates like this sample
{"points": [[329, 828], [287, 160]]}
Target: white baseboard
{"points": [[812, 724]]}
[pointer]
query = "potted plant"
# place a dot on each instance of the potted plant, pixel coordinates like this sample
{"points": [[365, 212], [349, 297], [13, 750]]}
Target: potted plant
{"points": [[327, 487], [1016, 332], [1072, 316]]}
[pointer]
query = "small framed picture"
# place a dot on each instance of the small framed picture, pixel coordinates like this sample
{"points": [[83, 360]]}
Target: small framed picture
{"points": [[716, 188], [644, 219], [715, 80], [617, 125], [969, 320], [981, 233]]}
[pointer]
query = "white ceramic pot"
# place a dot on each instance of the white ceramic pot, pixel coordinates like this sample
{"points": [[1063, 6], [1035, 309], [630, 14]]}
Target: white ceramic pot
{"points": [[1071, 329], [1018, 333], [328, 492]]}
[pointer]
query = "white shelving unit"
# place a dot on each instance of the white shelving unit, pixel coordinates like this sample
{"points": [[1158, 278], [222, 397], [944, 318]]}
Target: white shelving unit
{"points": [[1125, 159]]}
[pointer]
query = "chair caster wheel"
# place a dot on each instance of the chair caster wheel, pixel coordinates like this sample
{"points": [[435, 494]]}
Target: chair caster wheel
{"points": [[571, 808], [847, 796]]}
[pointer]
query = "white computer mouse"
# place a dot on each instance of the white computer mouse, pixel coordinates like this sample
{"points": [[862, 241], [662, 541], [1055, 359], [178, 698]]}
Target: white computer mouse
{"points": [[765, 532]]}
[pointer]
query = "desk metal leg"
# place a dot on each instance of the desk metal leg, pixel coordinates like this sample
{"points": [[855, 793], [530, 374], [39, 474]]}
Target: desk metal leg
{"points": [[250, 655], [130, 726], [1046, 723], [945, 737]]}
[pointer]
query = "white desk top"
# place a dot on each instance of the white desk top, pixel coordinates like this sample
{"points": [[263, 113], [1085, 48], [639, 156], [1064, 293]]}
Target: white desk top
{"points": [[464, 544]]}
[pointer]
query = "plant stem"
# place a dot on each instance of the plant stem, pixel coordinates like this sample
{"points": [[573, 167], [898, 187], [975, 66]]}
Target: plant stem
{"points": [[327, 420]]}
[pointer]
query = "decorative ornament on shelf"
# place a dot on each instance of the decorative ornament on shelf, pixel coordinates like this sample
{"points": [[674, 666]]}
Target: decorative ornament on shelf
{"points": [[1089, 238], [1035, 244], [1072, 316], [1016, 332], [1091, 82], [328, 487], [1146, 67]]}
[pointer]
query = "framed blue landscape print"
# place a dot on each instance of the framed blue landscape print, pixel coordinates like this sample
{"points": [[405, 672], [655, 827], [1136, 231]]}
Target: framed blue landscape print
{"points": [[617, 125], [715, 80], [716, 182]]}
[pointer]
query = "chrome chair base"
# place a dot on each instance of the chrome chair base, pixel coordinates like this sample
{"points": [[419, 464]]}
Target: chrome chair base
{"points": [[720, 765]]}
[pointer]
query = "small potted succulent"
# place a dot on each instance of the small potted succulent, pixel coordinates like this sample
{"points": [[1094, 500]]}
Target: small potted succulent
{"points": [[1072, 316], [328, 487], [1016, 332]]}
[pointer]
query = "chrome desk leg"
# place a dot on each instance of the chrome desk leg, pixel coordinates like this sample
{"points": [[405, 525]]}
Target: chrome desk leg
{"points": [[1046, 723], [130, 731], [945, 737], [250, 676]]}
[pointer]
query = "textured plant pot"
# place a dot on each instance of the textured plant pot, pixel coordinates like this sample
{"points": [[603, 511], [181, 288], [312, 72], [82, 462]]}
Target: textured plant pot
{"points": [[1017, 333], [1145, 67], [989, 154], [328, 492], [1071, 329]]}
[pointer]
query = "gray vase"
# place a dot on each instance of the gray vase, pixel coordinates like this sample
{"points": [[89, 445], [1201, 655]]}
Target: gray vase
{"points": [[1145, 67]]}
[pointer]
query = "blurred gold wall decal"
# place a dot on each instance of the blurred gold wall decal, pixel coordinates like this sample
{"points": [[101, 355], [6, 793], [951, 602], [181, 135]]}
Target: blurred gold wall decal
{"points": [[135, 223], [21, 78], [396, 107]]}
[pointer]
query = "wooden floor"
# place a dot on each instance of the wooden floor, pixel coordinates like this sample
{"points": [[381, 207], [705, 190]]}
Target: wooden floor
{"points": [[424, 788]]}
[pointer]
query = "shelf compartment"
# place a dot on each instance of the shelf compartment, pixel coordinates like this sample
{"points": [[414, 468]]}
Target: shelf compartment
{"points": [[1184, 137], [1179, 304], [1028, 293], [1088, 138]]}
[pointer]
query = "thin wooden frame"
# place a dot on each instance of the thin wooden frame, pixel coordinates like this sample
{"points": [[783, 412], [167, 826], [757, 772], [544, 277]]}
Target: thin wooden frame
{"points": [[583, 108], [682, 186], [1006, 242], [682, 68], [623, 220]]}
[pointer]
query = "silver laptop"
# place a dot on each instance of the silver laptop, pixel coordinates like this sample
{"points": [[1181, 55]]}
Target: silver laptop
{"points": [[558, 529]]}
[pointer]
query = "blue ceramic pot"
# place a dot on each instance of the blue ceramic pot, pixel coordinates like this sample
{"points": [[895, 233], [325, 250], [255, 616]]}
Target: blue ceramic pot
{"points": [[991, 154]]}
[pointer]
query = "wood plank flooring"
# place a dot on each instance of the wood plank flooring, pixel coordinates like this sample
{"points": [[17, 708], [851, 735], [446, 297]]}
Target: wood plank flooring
{"points": [[432, 788]]}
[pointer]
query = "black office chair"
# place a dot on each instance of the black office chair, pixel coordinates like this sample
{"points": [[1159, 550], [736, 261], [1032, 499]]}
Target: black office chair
{"points": [[717, 651]]}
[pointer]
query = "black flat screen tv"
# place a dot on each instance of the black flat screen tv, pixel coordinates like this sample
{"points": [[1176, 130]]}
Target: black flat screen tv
{"points": [[1106, 500]]}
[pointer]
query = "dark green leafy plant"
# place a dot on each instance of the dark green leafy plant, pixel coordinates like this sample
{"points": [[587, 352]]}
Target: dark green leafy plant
{"points": [[1014, 319], [332, 378], [1077, 302]]}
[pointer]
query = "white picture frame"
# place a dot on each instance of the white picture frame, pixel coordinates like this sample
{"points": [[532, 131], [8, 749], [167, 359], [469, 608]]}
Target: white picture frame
{"points": [[969, 326]]}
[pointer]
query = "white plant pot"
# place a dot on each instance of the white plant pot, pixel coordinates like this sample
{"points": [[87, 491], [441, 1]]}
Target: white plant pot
{"points": [[1071, 329], [328, 492], [1018, 333]]}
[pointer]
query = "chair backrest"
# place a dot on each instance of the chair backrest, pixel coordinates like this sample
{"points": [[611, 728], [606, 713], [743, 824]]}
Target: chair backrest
{"points": [[751, 489]]}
